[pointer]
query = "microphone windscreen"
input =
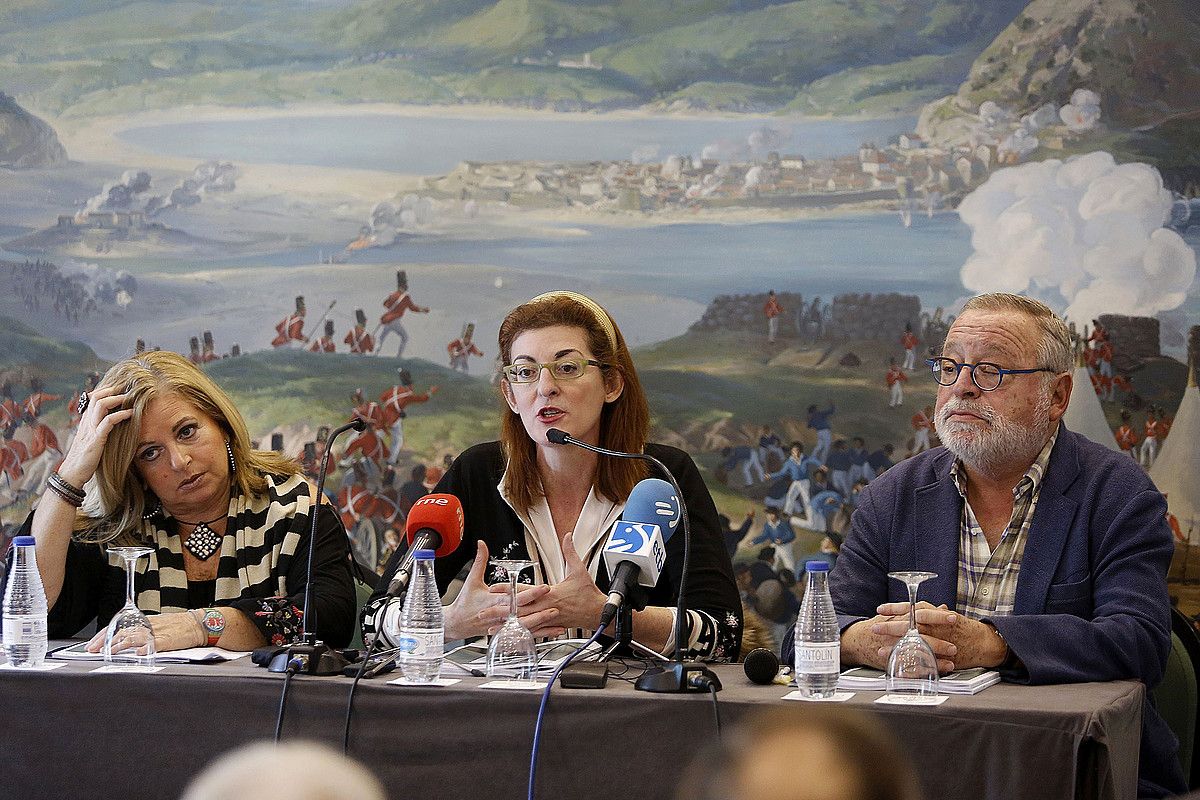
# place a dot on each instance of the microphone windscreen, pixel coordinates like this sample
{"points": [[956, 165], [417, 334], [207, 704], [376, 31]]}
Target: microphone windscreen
{"points": [[440, 512], [761, 665], [555, 436], [653, 502]]}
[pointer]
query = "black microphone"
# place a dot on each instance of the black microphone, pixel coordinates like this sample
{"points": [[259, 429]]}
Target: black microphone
{"points": [[314, 656], [357, 424], [761, 666], [678, 675]]}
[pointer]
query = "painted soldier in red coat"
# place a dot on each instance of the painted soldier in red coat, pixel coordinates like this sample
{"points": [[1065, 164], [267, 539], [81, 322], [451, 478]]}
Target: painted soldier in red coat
{"points": [[37, 398], [291, 328], [324, 344], [359, 338], [394, 401], [13, 454], [396, 304], [10, 409], [909, 341], [194, 350], [1127, 438], [208, 351], [462, 348]]}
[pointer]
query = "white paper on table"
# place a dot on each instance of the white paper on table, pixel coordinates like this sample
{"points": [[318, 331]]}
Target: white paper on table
{"points": [[524, 686], [192, 655], [127, 668], [912, 700], [550, 654], [434, 682], [838, 697], [45, 666]]}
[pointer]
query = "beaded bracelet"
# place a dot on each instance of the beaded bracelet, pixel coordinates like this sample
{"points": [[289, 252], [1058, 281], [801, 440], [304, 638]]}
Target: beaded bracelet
{"points": [[69, 499], [72, 494]]}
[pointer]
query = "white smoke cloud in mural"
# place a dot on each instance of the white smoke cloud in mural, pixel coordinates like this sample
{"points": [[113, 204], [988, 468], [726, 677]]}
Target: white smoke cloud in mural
{"points": [[106, 285], [1045, 116], [206, 178], [672, 168], [757, 144], [993, 116], [724, 150], [753, 178], [120, 195], [763, 140], [1083, 112], [1020, 141], [389, 220], [1086, 233], [132, 191], [644, 154]]}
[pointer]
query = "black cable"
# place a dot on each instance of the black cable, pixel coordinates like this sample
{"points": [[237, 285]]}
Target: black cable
{"points": [[353, 688], [293, 668], [537, 728], [712, 690]]}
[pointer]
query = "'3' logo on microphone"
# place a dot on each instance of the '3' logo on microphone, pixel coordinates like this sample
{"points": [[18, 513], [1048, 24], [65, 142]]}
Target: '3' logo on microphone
{"points": [[629, 537]]}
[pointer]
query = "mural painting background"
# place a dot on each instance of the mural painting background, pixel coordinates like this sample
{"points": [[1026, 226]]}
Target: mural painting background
{"points": [[177, 174]]}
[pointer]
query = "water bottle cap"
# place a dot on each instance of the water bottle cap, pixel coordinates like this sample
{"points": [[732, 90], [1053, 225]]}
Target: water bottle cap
{"points": [[816, 566], [23, 541], [424, 555]]}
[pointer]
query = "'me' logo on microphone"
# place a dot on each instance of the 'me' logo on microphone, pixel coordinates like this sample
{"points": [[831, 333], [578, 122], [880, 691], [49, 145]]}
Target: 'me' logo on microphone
{"points": [[433, 500]]}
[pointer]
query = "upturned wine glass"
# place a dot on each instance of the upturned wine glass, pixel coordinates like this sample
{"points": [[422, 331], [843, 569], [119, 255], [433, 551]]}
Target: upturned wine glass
{"points": [[511, 652], [129, 638], [912, 667]]}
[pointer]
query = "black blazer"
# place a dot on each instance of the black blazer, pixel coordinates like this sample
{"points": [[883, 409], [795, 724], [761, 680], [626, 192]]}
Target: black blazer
{"points": [[711, 588]]}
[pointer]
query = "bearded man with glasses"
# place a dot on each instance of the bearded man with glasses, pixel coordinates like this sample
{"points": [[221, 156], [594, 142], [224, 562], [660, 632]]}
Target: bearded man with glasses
{"points": [[1051, 551]]}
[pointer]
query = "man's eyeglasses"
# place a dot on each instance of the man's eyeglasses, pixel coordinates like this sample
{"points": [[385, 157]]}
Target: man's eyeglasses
{"points": [[565, 369], [985, 375]]}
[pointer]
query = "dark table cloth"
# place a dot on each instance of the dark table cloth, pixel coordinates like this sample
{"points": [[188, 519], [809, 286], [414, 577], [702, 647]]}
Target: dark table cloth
{"points": [[69, 733]]}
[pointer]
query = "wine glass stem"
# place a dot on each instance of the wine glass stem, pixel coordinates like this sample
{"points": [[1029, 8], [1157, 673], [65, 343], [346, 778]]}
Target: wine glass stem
{"points": [[912, 606], [512, 594], [129, 582]]}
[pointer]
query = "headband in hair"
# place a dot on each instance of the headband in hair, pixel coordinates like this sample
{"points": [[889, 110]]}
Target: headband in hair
{"points": [[591, 305]]}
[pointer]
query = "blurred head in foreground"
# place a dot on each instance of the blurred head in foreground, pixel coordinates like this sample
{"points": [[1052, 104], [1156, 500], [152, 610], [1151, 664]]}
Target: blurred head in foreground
{"points": [[294, 770], [808, 753]]}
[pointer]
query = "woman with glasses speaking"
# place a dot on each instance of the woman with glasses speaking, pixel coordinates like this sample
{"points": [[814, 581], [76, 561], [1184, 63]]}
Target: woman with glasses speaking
{"points": [[567, 367]]}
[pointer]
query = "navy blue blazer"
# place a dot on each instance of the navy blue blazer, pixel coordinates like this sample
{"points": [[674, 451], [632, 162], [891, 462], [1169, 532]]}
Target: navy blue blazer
{"points": [[1091, 602]]}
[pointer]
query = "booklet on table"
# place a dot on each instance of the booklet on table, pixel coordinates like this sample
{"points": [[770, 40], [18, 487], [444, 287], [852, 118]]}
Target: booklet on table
{"points": [[550, 654], [963, 681], [193, 655]]}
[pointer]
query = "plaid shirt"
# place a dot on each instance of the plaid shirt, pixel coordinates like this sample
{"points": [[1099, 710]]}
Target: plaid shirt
{"points": [[987, 579]]}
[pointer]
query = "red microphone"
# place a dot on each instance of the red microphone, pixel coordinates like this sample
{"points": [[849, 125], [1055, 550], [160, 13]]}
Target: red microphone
{"points": [[435, 522]]}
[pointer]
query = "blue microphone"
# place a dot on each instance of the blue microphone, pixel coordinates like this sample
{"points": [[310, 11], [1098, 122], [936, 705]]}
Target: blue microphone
{"points": [[636, 549]]}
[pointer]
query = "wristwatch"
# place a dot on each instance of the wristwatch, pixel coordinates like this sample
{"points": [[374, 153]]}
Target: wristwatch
{"points": [[213, 622]]}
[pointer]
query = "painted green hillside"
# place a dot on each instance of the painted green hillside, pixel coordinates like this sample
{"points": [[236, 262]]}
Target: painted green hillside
{"points": [[87, 58], [24, 353]]}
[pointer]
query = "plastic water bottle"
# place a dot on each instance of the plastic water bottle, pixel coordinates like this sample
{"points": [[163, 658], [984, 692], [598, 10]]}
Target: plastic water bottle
{"points": [[24, 609], [422, 627], [818, 643]]}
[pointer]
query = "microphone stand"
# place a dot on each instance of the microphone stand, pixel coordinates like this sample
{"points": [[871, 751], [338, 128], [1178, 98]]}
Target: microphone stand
{"points": [[623, 634], [313, 656], [676, 675]]}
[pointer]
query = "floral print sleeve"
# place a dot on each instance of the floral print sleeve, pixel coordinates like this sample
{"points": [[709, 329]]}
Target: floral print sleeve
{"points": [[280, 622]]}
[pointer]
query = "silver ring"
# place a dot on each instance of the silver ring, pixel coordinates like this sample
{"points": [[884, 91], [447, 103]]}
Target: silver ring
{"points": [[82, 405]]}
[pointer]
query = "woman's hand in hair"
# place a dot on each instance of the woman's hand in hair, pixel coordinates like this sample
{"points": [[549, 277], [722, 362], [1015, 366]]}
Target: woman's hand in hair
{"points": [[103, 413]]}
